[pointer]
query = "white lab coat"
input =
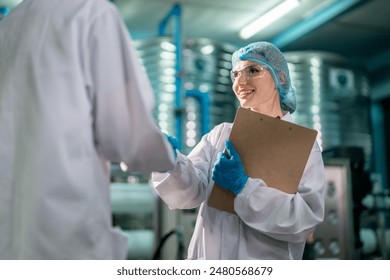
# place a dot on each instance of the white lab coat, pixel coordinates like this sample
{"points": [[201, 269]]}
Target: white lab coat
{"points": [[270, 224], [73, 96]]}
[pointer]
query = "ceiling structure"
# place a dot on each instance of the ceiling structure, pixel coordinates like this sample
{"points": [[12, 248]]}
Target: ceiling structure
{"points": [[356, 29]]}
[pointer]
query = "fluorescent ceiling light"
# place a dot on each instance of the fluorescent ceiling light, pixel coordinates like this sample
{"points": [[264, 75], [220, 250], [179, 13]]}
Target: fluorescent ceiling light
{"points": [[268, 18]]}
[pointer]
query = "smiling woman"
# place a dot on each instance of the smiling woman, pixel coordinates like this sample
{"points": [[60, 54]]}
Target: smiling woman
{"points": [[256, 90], [268, 224], [273, 94], [267, 55]]}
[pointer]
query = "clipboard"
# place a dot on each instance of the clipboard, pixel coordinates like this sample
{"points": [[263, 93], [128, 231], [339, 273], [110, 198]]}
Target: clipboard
{"points": [[271, 149]]}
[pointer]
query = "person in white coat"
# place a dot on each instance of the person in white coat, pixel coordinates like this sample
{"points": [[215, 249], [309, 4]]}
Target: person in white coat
{"points": [[73, 98], [268, 224]]}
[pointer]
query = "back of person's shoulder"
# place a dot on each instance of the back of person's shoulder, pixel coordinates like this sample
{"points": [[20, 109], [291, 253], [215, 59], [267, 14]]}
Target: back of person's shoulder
{"points": [[79, 9], [96, 7]]}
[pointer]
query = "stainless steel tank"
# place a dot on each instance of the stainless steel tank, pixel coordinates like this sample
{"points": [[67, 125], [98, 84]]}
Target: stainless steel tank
{"points": [[158, 58], [205, 70], [207, 67], [333, 98]]}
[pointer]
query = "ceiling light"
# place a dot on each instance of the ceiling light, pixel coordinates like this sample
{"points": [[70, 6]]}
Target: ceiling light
{"points": [[268, 18]]}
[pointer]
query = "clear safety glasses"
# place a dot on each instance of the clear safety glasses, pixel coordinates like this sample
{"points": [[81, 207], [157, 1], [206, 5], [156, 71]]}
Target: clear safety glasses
{"points": [[248, 72]]}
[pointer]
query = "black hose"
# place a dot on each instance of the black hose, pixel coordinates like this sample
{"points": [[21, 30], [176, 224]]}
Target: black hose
{"points": [[180, 244]]}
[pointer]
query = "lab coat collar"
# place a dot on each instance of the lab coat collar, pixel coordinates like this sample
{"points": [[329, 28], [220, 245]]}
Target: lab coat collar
{"points": [[288, 117]]}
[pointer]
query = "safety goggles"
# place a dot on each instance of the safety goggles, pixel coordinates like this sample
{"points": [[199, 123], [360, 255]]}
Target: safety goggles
{"points": [[248, 72]]}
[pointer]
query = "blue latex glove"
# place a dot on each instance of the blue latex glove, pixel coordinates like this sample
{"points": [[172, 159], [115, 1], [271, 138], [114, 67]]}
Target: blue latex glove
{"points": [[173, 141], [228, 171]]}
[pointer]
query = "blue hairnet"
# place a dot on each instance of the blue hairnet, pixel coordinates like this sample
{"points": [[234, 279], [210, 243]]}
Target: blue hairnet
{"points": [[270, 56]]}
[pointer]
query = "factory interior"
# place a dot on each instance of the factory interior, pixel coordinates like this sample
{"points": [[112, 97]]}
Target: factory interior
{"points": [[338, 53]]}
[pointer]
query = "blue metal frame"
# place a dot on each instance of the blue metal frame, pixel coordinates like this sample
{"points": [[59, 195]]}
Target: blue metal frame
{"points": [[379, 147], [176, 13], [204, 100]]}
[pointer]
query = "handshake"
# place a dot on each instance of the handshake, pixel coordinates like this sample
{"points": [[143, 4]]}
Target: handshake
{"points": [[228, 171], [173, 141]]}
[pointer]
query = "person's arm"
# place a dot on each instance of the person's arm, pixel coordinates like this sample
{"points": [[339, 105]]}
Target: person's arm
{"points": [[186, 186], [288, 217], [122, 99]]}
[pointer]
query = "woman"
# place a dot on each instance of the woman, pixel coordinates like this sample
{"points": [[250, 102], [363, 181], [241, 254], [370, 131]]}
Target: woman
{"points": [[269, 224]]}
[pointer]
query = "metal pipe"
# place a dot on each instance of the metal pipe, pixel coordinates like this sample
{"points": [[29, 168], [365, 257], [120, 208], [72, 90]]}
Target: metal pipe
{"points": [[176, 13], [379, 147], [204, 100]]}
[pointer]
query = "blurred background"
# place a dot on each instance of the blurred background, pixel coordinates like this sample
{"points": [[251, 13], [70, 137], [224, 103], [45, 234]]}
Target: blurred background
{"points": [[339, 59]]}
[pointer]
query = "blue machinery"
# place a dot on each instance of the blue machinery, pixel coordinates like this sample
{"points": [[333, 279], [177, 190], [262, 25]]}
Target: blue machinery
{"points": [[202, 97], [204, 100], [176, 13]]}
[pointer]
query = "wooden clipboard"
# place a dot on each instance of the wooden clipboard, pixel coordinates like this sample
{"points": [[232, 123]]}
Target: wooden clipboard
{"points": [[271, 149]]}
